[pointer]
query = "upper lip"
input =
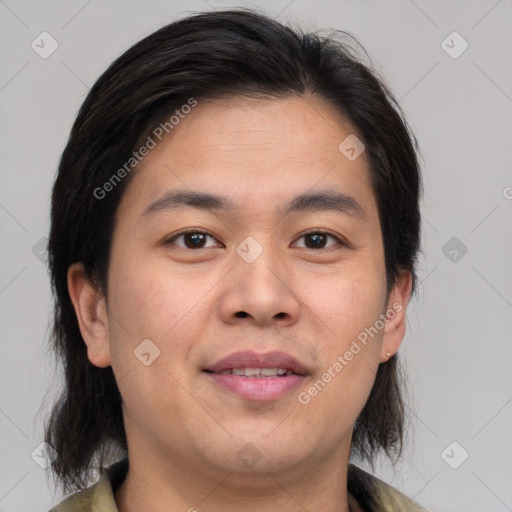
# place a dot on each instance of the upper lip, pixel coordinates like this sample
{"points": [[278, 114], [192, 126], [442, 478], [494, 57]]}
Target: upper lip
{"points": [[250, 359]]}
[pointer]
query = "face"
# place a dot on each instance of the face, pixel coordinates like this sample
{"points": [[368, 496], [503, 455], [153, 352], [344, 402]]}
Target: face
{"points": [[259, 281]]}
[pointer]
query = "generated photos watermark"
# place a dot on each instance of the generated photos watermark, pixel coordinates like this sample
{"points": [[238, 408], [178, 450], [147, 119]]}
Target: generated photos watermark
{"points": [[151, 142], [362, 338]]}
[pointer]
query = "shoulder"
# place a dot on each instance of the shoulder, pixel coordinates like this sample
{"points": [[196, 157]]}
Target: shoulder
{"points": [[375, 495], [99, 496]]}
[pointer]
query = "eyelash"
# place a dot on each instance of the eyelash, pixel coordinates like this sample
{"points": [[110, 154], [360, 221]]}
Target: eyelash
{"points": [[340, 241]]}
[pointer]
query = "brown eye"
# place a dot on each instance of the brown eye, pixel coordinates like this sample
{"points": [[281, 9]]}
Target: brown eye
{"points": [[192, 239], [318, 240]]}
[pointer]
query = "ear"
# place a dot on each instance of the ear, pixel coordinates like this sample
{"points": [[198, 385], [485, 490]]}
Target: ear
{"points": [[394, 331], [91, 312]]}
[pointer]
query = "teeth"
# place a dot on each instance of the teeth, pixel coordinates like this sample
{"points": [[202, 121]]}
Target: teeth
{"points": [[258, 373], [251, 372]]}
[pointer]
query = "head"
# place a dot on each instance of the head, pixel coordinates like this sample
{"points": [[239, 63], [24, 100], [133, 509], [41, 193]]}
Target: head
{"points": [[231, 104]]}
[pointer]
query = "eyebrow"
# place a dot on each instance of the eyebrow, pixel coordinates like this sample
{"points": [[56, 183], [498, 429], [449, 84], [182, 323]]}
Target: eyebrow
{"points": [[323, 200]]}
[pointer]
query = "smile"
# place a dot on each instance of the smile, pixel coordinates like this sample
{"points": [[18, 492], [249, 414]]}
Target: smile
{"points": [[257, 373]]}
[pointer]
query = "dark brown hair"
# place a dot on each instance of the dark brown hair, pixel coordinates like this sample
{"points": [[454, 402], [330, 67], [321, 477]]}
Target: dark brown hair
{"points": [[214, 54]]}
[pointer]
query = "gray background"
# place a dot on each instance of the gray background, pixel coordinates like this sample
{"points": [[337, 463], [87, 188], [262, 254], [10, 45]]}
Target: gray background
{"points": [[458, 347]]}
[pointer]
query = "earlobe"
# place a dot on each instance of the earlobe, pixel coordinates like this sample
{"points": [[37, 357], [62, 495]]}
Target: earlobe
{"points": [[394, 331], [91, 312]]}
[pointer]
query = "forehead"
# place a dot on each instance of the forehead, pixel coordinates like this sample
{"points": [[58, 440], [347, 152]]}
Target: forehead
{"points": [[256, 152]]}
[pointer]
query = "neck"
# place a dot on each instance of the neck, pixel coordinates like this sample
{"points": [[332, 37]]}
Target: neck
{"points": [[153, 484]]}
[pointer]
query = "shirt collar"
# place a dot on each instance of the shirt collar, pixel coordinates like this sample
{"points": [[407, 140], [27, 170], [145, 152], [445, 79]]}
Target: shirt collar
{"points": [[371, 493]]}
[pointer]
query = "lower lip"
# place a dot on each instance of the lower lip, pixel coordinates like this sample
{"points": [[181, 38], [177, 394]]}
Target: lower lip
{"points": [[258, 389]]}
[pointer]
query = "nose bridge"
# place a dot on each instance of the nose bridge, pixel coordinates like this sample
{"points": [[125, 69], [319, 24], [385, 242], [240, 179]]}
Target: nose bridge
{"points": [[258, 286], [259, 263]]}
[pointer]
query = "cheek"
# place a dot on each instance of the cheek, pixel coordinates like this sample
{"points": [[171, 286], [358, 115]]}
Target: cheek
{"points": [[153, 298], [147, 302], [349, 355], [347, 303], [153, 301], [345, 318]]}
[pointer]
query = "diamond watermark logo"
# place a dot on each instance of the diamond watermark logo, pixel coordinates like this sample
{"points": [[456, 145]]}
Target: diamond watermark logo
{"points": [[454, 455], [249, 249], [454, 45], [44, 455], [454, 249], [351, 147], [146, 352], [39, 249], [249, 455], [44, 45]]}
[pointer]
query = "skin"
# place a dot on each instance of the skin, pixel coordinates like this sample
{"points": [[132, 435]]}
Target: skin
{"points": [[183, 431]]}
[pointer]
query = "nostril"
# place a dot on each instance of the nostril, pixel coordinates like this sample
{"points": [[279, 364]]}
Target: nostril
{"points": [[241, 314]]}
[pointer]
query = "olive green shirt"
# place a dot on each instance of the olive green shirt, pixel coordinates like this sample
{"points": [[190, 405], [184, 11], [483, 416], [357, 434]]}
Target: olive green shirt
{"points": [[372, 494]]}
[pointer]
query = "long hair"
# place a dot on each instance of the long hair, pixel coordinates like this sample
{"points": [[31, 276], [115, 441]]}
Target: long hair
{"points": [[215, 54]]}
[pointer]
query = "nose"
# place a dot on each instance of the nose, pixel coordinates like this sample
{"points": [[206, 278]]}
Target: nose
{"points": [[260, 293]]}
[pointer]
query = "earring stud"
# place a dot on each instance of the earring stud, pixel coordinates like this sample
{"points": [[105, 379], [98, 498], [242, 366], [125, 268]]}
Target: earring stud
{"points": [[388, 355]]}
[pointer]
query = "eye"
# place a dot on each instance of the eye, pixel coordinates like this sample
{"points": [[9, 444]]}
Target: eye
{"points": [[192, 239], [196, 239], [318, 239]]}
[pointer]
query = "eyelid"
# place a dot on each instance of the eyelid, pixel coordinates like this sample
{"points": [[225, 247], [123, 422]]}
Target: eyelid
{"points": [[190, 230], [341, 240]]}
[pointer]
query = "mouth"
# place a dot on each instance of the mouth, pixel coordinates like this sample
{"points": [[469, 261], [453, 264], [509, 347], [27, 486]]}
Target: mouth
{"points": [[257, 373], [258, 377]]}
